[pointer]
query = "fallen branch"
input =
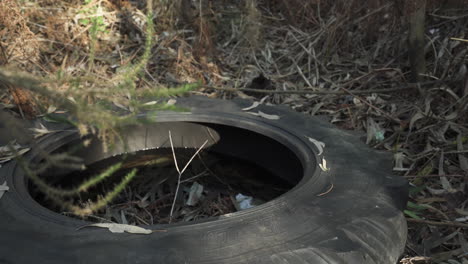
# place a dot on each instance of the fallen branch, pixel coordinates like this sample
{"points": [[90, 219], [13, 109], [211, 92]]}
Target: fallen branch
{"points": [[459, 39], [305, 91], [436, 223]]}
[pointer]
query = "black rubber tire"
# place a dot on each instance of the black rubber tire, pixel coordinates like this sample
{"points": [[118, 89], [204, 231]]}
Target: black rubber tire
{"points": [[358, 220]]}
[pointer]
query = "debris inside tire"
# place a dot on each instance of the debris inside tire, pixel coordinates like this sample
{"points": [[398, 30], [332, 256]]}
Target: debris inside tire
{"points": [[244, 202], [208, 188]]}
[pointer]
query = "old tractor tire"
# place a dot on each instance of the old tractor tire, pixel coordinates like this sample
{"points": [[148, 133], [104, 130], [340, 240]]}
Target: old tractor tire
{"points": [[348, 210]]}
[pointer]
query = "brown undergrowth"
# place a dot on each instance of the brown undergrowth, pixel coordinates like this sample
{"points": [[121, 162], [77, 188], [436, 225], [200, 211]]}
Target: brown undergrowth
{"points": [[341, 48]]}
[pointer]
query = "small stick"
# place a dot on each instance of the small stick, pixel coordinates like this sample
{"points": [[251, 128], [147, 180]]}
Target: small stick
{"points": [[203, 173], [179, 171], [186, 165], [436, 223], [459, 39], [173, 153]]}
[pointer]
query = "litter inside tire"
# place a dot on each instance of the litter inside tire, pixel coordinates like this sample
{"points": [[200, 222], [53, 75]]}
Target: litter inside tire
{"points": [[210, 187]]}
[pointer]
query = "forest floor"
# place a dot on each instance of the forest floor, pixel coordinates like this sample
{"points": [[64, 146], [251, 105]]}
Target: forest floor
{"points": [[352, 68]]}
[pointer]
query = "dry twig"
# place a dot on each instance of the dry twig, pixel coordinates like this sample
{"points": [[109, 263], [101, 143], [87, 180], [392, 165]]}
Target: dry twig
{"points": [[180, 172], [436, 223]]}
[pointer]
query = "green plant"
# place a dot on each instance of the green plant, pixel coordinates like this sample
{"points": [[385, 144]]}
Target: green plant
{"points": [[90, 103], [413, 210], [58, 196]]}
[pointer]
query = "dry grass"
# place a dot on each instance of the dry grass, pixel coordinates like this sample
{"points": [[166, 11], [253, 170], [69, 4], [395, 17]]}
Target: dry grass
{"points": [[296, 45]]}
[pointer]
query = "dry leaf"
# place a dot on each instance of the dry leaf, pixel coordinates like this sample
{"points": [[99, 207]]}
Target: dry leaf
{"points": [[266, 116], [7, 155], [171, 102], [255, 104], [119, 105], [121, 228], [439, 133], [318, 144], [39, 132], [415, 118], [51, 109], [323, 165], [448, 90], [151, 103], [399, 157], [436, 191], [71, 99], [316, 108], [357, 102], [3, 188]]}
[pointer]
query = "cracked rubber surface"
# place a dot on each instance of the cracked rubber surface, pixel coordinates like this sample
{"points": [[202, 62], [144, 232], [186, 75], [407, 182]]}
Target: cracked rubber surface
{"points": [[358, 221]]}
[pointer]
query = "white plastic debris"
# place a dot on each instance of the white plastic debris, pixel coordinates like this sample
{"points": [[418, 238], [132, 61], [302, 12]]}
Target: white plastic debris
{"points": [[3, 188], [195, 194], [244, 202]]}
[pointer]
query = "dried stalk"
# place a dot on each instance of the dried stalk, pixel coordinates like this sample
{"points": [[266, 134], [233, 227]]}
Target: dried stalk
{"points": [[179, 171]]}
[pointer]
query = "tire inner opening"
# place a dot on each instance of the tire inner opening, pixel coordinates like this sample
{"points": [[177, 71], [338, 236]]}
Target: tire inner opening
{"points": [[234, 165]]}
